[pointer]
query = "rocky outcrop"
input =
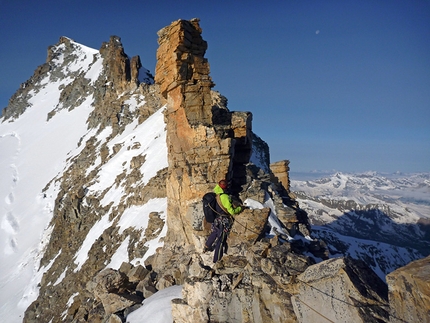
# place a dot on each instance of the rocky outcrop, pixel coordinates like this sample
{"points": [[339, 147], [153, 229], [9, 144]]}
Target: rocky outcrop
{"points": [[78, 208], [247, 229], [114, 290], [119, 76], [205, 141], [409, 292], [261, 287], [236, 292], [280, 176]]}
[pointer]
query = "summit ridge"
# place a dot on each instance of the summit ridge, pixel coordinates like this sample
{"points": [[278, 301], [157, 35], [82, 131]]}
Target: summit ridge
{"points": [[104, 173]]}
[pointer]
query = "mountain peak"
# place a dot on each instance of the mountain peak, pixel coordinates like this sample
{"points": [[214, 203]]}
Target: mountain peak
{"points": [[110, 172]]}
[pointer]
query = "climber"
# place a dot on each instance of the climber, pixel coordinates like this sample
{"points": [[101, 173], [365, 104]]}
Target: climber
{"points": [[221, 226]]}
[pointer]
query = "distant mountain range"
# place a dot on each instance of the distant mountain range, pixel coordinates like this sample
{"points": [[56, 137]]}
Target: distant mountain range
{"points": [[383, 219]]}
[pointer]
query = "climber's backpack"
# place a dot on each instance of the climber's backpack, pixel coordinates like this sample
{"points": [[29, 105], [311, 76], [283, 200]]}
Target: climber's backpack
{"points": [[209, 207]]}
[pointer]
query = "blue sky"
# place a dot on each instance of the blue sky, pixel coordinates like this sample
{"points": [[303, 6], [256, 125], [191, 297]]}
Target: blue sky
{"points": [[332, 85]]}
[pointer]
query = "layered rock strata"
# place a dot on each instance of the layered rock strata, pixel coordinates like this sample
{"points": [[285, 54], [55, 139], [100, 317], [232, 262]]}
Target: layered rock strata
{"points": [[206, 142], [280, 176]]}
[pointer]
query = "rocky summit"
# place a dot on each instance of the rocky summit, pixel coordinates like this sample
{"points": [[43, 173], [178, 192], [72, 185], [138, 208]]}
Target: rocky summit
{"points": [[124, 211]]}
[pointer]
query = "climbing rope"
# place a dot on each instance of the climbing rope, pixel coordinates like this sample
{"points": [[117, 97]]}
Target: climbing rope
{"points": [[220, 214], [246, 228], [235, 220]]}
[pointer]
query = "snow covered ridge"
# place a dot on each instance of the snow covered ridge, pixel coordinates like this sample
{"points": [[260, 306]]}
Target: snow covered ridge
{"points": [[34, 152], [55, 157], [68, 63], [392, 209]]}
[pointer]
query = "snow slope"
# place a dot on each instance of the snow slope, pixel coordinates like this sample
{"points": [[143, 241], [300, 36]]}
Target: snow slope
{"points": [[35, 150]]}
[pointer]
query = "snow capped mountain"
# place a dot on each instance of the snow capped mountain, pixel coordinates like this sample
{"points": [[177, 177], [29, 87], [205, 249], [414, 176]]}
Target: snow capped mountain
{"points": [[42, 135], [35, 151], [372, 188], [383, 219]]}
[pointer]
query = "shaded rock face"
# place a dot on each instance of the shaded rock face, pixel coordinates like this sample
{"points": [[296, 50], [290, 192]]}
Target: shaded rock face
{"points": [[409, 292]]}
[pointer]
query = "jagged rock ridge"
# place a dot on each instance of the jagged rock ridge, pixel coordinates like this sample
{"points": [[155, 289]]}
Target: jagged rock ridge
{"points": [[107, 191]]}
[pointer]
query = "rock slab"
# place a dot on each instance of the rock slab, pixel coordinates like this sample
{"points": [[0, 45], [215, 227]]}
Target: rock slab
{"points": [[409, 292]]}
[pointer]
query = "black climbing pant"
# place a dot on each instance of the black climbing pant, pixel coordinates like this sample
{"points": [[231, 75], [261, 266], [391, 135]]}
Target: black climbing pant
{"points": [[217, 240]]}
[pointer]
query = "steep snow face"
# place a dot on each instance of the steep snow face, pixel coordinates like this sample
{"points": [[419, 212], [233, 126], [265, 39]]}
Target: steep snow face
{"points": [[34, 150], [147, 139], [38, 145]]}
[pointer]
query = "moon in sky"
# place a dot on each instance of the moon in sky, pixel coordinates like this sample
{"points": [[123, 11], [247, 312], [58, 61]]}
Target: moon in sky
{"points": [[317, 32]]}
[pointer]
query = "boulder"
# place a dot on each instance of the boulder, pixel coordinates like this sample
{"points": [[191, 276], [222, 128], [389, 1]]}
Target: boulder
{"points": [[248, 226], [113, 289], [137, 273]]}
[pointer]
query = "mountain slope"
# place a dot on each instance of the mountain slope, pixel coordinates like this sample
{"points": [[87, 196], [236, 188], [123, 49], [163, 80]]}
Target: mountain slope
{"points": [[85, 198], [44, 137], [38, 149]]}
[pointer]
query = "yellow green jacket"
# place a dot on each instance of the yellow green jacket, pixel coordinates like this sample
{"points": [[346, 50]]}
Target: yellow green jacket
{"points": [[226, 201]]}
